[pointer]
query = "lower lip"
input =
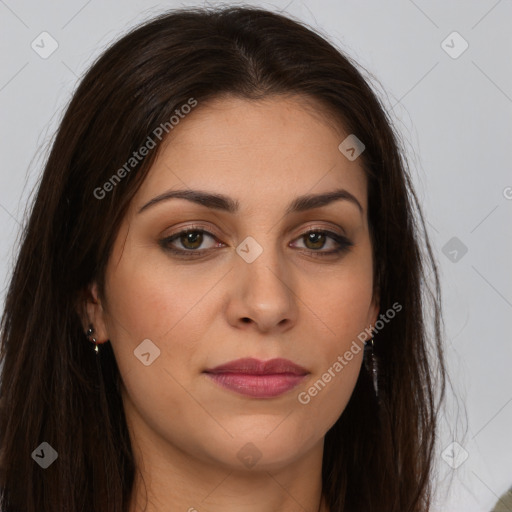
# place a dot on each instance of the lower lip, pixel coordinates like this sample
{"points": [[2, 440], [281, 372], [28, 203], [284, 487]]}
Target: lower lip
{"points": [[258, 386]]}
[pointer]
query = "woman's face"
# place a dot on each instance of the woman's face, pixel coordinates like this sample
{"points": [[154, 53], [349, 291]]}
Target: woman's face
{"points": [[243, 284]]}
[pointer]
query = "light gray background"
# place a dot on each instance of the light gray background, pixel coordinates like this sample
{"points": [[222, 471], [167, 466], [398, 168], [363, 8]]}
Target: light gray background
{"points": [[454, 115]]}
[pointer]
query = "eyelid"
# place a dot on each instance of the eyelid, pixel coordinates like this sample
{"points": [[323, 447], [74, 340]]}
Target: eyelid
{"points": [[335, 229], [342, 242], [192, 229]]}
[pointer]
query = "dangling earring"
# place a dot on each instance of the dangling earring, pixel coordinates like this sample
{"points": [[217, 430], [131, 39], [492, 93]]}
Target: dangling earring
{"points": [[89, 334], [371, 363]]}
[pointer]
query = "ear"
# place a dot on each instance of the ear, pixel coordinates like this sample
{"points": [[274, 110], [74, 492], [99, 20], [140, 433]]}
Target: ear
{"points": [[373, 312], [91, 311]]}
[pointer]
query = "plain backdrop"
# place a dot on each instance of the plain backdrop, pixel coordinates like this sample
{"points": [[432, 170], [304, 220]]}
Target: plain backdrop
{"points": [[450, 96]]}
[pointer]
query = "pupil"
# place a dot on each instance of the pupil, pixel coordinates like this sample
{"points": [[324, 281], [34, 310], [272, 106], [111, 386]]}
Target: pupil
{"points": [[191, 238], [315, 238]]}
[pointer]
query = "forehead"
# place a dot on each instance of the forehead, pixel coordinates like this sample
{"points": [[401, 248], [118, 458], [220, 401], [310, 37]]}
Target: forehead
{"points": [[266, 150]]}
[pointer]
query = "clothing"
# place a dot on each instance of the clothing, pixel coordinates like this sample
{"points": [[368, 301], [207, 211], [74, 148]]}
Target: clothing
{"points": [[504, 504]]}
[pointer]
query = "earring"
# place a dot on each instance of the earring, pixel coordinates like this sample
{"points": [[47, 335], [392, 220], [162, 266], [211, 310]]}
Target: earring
{"points": [[89, 334], [371, 363]]}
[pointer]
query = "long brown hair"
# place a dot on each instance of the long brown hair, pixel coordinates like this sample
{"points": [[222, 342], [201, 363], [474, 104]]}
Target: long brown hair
{"points": [[379, 455]]}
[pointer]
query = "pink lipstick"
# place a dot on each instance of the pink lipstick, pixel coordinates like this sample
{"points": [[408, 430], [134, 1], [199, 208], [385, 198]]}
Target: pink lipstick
{"points": [[258, 379]]}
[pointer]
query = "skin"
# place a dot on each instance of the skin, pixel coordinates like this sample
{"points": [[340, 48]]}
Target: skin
{"points": [[186, 430]]}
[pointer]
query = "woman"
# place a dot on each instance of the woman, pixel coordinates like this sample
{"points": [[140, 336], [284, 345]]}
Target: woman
{"points": [[220, 302]]}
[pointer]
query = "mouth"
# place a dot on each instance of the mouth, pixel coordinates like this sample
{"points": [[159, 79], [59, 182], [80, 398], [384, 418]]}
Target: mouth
{"points": [[258, 379]]}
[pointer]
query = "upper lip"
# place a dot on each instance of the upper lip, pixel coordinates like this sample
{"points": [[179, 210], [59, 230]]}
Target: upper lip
{"points": [[251, 366]]}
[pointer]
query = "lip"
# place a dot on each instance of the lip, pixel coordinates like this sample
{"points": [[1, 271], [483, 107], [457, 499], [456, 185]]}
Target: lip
{"points": [[259, 379]]}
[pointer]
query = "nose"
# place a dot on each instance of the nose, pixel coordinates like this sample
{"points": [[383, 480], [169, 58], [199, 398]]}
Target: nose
{"points": [[262, 294]]}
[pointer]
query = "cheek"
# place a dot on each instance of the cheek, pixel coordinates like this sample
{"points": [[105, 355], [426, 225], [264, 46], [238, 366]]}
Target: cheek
{"points": [[172, 306], [342, 300], [338, 312], [147, 302], [338, 350], [153, 299], [322, 401]]}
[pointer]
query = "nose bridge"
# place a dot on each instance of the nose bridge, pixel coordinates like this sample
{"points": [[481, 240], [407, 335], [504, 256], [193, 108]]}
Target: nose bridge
{"points": [[263, 277]]}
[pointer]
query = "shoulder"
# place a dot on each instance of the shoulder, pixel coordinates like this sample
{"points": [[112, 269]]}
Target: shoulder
{"points": [[504, 504]]}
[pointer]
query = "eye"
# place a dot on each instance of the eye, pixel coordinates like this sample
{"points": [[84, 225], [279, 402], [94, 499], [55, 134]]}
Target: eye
{"points": [[315, 239], [192, 239]]}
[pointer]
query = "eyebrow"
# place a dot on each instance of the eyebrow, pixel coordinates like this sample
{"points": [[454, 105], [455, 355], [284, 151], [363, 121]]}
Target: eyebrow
{"points": [[225, 203]]}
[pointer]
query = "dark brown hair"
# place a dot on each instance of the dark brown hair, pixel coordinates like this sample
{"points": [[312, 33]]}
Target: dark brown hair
{"points": [[379, 455]]}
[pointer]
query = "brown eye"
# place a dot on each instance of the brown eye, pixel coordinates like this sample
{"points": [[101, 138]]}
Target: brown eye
{"points": [[316, 239], [191, 240]]}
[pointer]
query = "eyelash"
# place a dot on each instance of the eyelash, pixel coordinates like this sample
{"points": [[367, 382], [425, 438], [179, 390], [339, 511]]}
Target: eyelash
{"points": [[344, 244]]}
